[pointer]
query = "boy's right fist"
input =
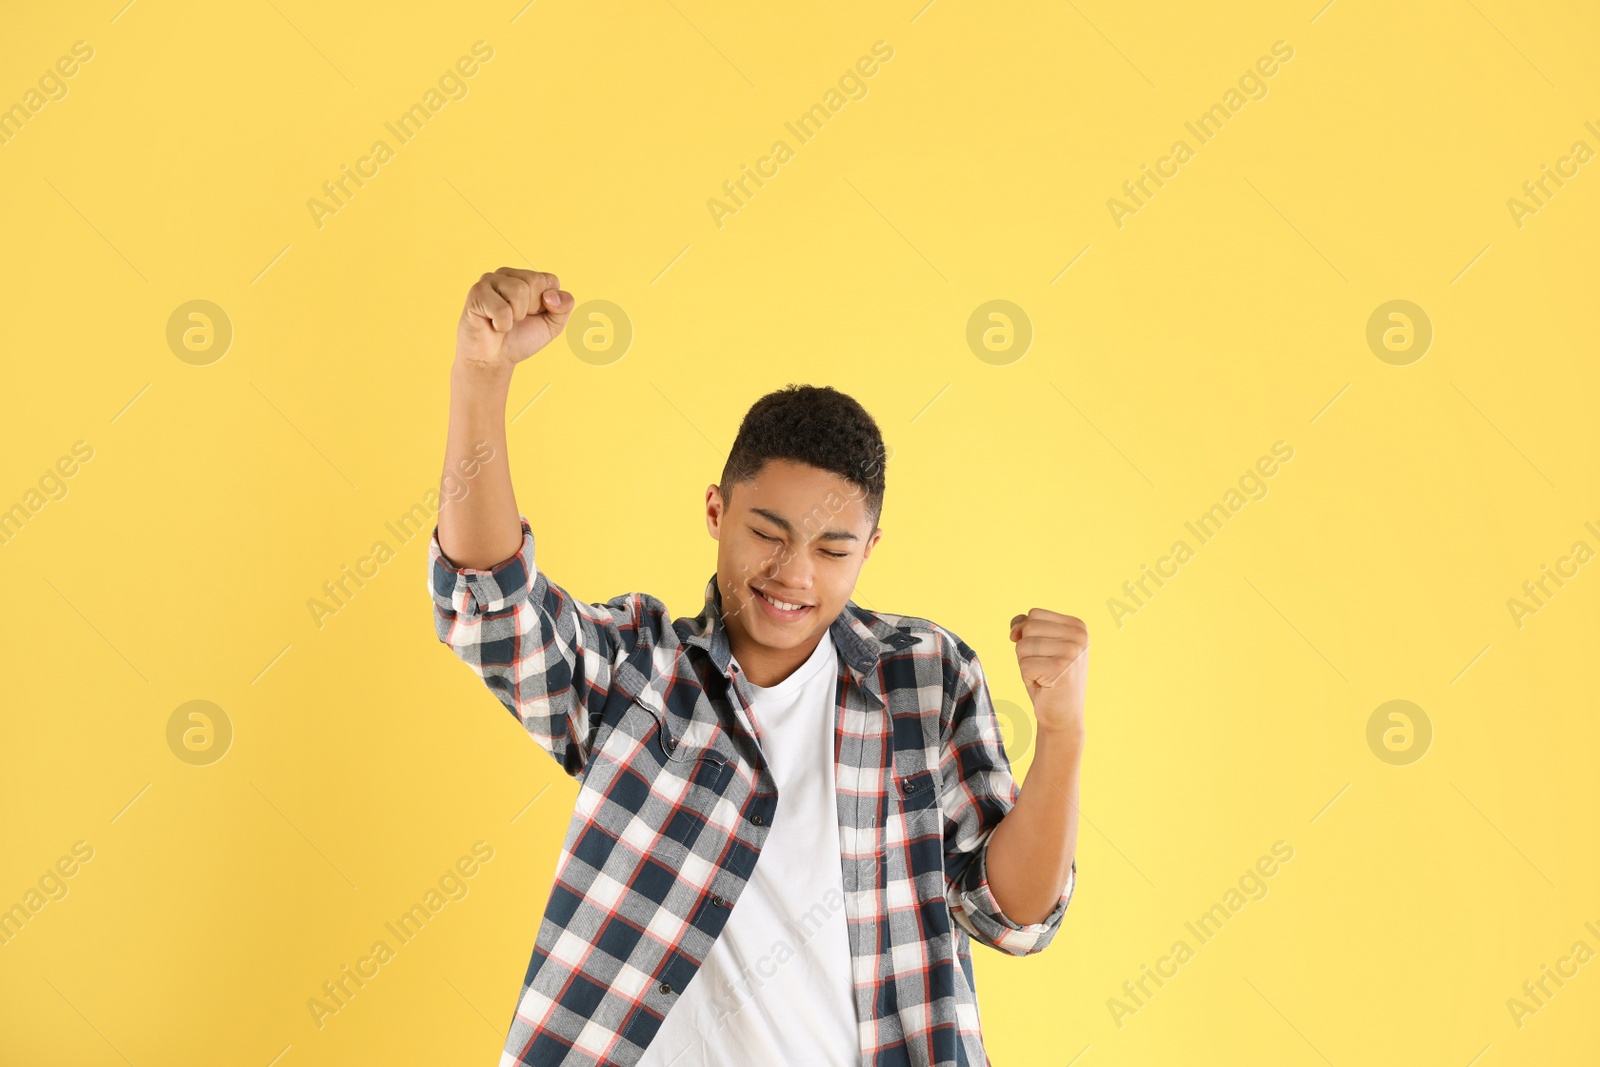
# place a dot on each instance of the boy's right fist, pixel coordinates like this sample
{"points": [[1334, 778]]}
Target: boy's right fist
{"points": [[509, 316]]}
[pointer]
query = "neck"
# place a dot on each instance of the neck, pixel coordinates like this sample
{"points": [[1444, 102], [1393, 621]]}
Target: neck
{"points": [[763, 665]]}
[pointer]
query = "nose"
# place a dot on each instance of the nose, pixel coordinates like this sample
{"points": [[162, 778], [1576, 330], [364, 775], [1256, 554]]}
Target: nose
{"points": [[789, 570]]}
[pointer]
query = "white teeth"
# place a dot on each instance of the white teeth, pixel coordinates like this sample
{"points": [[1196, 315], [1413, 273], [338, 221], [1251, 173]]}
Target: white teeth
{"points": [[779, 603]]}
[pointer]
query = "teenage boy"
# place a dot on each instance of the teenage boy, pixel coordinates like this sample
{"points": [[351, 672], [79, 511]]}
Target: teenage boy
{"points": [[793, 813]]}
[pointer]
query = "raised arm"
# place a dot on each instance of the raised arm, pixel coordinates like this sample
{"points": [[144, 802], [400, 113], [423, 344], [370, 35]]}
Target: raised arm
{"points": [[548, 657], [509, 315], [978, 796]]}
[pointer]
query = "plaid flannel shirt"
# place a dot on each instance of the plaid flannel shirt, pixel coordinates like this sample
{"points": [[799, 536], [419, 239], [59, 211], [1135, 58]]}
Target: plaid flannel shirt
{"points": [[675, 800]]}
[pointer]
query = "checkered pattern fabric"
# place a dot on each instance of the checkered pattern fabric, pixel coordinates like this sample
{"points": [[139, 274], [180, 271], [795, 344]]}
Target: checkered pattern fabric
{"points": [[675, 800]]}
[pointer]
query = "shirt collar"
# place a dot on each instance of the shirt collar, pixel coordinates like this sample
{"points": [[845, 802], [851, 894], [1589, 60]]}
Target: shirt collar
{"points": [[861, 636]]}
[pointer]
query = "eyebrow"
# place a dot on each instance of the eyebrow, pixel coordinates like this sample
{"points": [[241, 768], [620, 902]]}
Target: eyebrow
{"points": [[788, 527]]}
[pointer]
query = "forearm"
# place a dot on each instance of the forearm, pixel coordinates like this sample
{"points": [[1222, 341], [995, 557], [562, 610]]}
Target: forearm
{"points": [[479, 523], [1031, 851]]}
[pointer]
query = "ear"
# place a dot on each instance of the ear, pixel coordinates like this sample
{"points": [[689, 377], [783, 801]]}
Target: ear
{"points": [[714, 510], [866, 553]]}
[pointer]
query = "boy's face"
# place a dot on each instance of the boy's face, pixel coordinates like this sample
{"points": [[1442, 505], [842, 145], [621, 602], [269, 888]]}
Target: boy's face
{"points": [[797, 533]]}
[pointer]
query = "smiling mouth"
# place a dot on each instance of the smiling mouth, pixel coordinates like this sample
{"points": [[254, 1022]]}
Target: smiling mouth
{"points": [[781, 607]]}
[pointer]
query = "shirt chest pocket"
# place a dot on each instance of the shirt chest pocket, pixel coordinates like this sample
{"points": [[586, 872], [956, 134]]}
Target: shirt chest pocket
{"points": [[916, 757], [918, 790], [660, 796], [700, 751]]}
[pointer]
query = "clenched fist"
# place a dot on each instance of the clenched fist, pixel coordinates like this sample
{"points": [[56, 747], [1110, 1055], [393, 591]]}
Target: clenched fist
{"points": [[509, 316], [1053, 655]]}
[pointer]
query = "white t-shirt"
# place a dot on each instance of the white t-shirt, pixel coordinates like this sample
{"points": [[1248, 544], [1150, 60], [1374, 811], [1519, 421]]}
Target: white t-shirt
{"points": [[776, 988]]}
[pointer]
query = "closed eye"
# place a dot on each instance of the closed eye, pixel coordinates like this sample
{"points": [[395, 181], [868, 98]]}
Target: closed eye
{"points": [[776, 541]]}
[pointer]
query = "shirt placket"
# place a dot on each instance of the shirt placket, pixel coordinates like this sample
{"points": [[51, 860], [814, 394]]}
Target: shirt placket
{"points": [[863, 741]]}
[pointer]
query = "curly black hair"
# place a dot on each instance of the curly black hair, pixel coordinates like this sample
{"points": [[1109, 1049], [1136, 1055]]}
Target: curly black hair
{"points": [[815, 425]]}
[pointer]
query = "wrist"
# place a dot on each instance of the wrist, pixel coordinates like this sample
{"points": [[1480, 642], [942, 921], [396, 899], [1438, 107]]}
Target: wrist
{"points": [[1067, 740], [478, 376]]}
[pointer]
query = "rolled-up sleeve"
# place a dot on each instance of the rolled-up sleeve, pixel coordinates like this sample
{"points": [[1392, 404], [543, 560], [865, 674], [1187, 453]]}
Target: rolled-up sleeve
{"points": [[547, 656], [977, 791]]}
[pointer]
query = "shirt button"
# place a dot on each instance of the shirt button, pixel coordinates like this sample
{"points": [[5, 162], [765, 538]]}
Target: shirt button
{"points": [[719, 902], [910, 786], [665, 987], [757, 819]]}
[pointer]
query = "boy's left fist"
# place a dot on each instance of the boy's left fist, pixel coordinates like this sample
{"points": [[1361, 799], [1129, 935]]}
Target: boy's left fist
{"points": [[1053, 654]]}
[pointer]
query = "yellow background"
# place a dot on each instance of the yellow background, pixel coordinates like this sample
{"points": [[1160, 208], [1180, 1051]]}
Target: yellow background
{"points": [[1230, 312]]}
